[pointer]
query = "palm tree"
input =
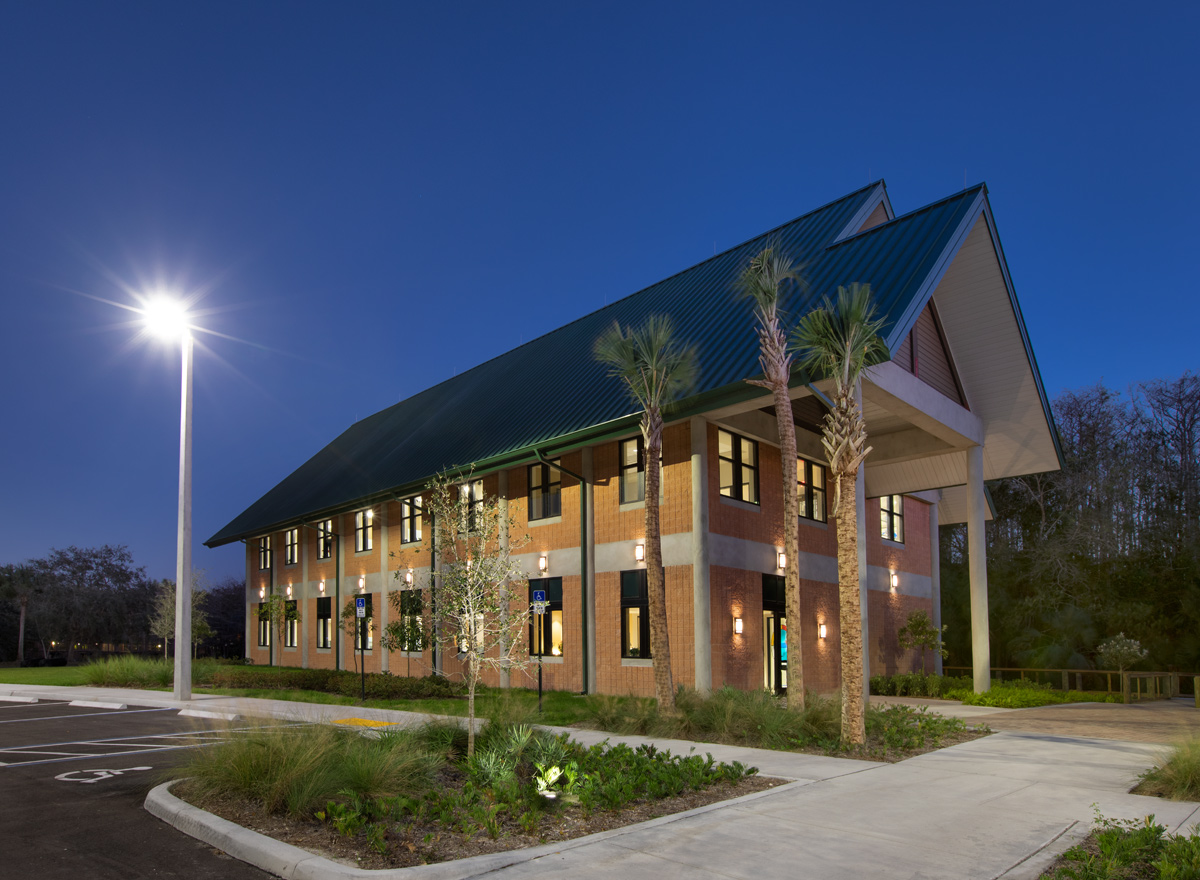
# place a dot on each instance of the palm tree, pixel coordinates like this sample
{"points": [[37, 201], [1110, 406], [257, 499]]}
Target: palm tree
{"points": [[19, 582], [760, 282], [656, 369], [838, 341]]}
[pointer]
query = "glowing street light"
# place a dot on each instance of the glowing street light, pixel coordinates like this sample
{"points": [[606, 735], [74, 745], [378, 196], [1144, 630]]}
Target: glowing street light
{"points": [[168, 319]]}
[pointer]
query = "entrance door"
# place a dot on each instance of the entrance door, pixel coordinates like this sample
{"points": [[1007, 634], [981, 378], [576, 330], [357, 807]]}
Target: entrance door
{"points": [[775, 647]]}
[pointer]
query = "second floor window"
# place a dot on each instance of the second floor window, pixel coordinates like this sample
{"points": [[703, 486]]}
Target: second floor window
{"points": [[891, 518], [545, 491], [738, 458], [291, 546], [472, 494], [410, 520], [363, 536], [325, 622], [810, 478], [325, 539], [632, 466], [264, 553]]}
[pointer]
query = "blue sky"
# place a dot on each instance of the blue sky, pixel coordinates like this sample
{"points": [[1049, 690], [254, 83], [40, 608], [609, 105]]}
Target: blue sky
{"points": [[372, 197]]}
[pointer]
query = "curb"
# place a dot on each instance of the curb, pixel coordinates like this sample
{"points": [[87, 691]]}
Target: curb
{"points": [[293, 863]]}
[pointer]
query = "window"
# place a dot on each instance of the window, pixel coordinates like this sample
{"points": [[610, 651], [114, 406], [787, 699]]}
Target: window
{"points": [[632, 463], [811, 479], [264, 626], [891, 517], [358, 627], [325, 622], [635, 614], [325, 539], [264, 553], [291, 546], [410, 520], [545, 491], [412, 633], [363, 535], [291, 627], [473, 495], [739, 467], [546, 630]]}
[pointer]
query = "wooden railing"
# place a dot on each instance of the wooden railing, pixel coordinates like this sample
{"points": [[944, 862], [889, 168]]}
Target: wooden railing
{"points": [[1132, 686]]}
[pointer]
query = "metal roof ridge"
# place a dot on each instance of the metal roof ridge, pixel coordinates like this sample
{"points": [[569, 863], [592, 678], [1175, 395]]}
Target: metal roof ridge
{"points": [[908, 216]]}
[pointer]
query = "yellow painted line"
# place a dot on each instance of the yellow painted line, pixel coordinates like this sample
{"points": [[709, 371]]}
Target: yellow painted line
{"points": [[365, 722]]}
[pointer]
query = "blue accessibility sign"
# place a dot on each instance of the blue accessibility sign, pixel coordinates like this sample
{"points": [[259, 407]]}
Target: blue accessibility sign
{"points": [[360, 606], [539, 595]]}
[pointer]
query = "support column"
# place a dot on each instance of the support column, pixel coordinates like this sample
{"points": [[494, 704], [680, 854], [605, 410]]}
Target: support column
{"points": [[502, 503], [252, 616], [385, 581], [935, 580], [588, 588], [303, 591], [981, 654], [701, 572], [860, 501], [338, 573]]}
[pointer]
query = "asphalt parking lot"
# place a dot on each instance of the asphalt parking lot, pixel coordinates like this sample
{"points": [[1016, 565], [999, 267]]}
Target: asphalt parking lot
{"points": [[72, 782]]}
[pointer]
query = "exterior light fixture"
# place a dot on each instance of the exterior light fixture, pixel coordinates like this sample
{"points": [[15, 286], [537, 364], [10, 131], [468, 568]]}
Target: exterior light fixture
{"points": [[289, 591], [895, 580], [543, 564], [322, 588], [262, 592], [737, 626], [408, 577], [782, 560], [639, 552], [362, 584], [821, 630]]}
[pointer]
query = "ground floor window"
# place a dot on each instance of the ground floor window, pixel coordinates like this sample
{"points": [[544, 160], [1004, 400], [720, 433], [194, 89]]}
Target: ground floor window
{"points": [[635, 615], [325, 622], [264, 626], [546, 630], [412, 633], [291, 630], [367, 623]]}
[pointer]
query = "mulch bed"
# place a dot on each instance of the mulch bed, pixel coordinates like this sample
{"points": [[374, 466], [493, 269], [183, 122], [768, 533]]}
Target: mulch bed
{"points": [[410, 843]]}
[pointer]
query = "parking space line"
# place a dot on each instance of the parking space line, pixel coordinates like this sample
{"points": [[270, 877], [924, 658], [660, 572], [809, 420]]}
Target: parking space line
{"points": [[82, 715]]}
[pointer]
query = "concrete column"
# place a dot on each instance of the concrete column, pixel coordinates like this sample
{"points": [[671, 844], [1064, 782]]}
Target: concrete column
{"points": [[502, 503], [860, 501], [935, 578], [588, 588], [701, 573], [981, 654], [339, 573], [251, 600], [385, 584], [303, 591]]}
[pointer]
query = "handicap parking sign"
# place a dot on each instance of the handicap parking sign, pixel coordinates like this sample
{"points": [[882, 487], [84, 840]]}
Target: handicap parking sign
{"points": [[539, 595], [360, 606]]}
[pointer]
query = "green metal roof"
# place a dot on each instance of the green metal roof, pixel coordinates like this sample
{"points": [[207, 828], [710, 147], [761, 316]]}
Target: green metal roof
{"points": [[465, 420]]}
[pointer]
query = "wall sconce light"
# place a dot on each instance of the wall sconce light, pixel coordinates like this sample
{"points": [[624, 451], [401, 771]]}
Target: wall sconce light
{"points": [[639, 552], [262, 592], [362, 584], [408, 577], [737, 626], [322, 588], [782, 560], [543, 564], [895, 581], [289, 591], [821, 630]]}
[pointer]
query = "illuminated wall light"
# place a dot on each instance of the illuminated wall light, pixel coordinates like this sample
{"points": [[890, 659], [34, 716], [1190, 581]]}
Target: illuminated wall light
{"points": [[895, 581], [737, 626], [783, 560], [639, 552], [322, 587], [262, 592], [289, 591], [362, 584], [821, 630], [408, 577], [543, 564]]}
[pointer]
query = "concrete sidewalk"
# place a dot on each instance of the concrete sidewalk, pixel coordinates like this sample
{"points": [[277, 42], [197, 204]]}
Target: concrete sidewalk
{"points": [[1001, 806]]}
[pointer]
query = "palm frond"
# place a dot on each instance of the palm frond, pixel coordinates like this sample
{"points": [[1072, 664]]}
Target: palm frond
{"points": [[839, 339], [655, 366], [761, 280]]}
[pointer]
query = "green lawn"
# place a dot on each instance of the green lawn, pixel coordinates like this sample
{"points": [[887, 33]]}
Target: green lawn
{"points": [[54, 676]]}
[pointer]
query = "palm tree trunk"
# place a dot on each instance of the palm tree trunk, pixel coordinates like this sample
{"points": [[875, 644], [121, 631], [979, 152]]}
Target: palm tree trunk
{"points": [[656, 587], [791, 544], [850, 612]]}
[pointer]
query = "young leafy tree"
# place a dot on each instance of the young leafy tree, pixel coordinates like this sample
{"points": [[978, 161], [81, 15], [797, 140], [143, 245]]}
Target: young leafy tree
{"points": [[920, 633], [1120, 651], [476, 615], [162, 615], [760, 282], [838, 341], [657, 369]]}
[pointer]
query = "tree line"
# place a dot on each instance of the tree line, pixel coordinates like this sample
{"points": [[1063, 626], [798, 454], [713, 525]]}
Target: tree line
{"points": [[1108, 544], [95, 600]]}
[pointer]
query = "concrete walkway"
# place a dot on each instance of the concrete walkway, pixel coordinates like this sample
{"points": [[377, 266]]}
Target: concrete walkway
{"points": [[1002, 806]]}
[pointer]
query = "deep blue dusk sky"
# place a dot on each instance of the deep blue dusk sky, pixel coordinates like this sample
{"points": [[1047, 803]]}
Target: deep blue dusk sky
{"points": [[375, 196]]}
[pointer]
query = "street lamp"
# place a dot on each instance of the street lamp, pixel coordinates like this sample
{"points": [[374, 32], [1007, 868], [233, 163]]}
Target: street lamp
{"points": [[167, 319]]}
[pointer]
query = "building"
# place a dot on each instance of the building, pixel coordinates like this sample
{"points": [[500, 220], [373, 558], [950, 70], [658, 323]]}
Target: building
{"points": [[960, 402]]}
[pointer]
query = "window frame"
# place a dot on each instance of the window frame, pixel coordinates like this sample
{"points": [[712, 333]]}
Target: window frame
{"points": [[641, 602], [808, 492], [264, 626], [264, 553], [551, 585], [548, 491], [738, 482], [364, 531], [410, 615], [473, 494], [325, 622], [370, 621], [291, 546], [325, 538], [638, 466], [291, 625], [411, 520], [891, 518]]}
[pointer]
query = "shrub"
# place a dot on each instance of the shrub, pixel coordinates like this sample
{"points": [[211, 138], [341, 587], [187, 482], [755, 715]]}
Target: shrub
{"points": [[379, 686], [1026, 694], [1178, 775], [918, 684]]}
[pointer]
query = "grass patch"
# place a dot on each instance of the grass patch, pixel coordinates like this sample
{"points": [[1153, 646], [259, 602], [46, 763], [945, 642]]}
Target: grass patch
{"points": [[51, 676], [1177, 777], [1130, 848]]}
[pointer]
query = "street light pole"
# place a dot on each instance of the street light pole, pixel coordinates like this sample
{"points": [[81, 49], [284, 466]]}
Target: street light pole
{"points": [[183, 566]]}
